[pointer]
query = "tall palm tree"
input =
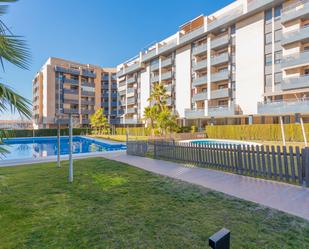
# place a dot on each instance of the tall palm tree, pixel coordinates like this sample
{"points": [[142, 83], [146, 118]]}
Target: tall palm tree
{"points": [[158, 95], [150, 116], [14, 50]]}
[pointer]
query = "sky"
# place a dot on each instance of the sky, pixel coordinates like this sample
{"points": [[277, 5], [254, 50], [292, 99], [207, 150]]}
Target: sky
{"points": [[99, 32]]}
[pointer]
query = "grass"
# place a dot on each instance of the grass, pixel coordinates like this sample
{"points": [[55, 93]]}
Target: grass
{"points": [[113, 205]]}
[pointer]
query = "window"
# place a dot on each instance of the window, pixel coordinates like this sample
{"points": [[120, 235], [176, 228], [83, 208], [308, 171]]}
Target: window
{"points": [[268, 80], [268, 59], [233, 29], [278, 57], [268, 15], [268, 38], [278, 10], [278, 78]]}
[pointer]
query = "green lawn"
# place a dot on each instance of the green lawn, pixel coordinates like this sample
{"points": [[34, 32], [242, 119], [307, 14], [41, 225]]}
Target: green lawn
{"points": [[112, 205]]}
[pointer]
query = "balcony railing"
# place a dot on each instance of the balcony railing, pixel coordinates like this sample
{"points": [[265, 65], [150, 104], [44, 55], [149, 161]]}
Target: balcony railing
{"points": [[148, 55], [219, 42], [169, 88], [220, 93], [89, 84], [295, 11], [70, 101], [70, 111], [295, 60], [220, 59], [131, 80], [130, 90], [199, 96], [71, 81], [131, 110], [70, 91], [87, 102], [128, 69], [199, 49], [295, 36], [167, 46], [195, 113], [199, 81], [166, 76], [166, 62], [221, 111], [284, 107], [199, 65], [154, 67], [67, 70], [257, 4], [131, 101], [88, 73], [87, 111], [87, 93], [169, 101], [220, 76], [155, 79], [295, 83], [192, 35], [129, 121]]}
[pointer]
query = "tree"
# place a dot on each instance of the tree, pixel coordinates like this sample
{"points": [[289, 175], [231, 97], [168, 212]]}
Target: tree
{"points": [[157, 114], [14, 50], [99, 122]]}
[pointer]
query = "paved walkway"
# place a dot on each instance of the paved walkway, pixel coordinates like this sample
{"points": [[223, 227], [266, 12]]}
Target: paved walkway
{"points": [[285, 197]]}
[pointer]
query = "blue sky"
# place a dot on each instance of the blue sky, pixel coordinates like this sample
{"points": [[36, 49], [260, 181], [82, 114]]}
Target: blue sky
{"points": [[101, 32]]}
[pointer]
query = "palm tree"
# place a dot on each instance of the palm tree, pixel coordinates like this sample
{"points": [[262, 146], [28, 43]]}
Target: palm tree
{"points": [[150, 115], [158, 95], [14, 50]]}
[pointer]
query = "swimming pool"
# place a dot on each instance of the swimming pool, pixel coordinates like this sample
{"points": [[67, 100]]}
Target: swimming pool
{"points": [[40, 147], [219, 141]]}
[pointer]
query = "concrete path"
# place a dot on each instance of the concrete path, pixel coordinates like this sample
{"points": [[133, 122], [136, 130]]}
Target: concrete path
{"points": [[285, 197]]}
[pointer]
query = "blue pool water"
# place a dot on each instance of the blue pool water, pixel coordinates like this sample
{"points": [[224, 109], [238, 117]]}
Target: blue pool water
{"points": [[38, 147]]}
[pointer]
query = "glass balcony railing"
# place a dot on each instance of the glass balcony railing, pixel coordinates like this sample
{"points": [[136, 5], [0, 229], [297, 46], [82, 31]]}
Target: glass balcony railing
{"points": [[199, 96], [199, 49], [199, 81], [295, 36], [195, 113], [295, 10], [166, 62], [291, 106], [295, 60], [200, 65], [219, 42], [192, 35], [220, 76], [220, 59], [295, 83], [220, 93]]}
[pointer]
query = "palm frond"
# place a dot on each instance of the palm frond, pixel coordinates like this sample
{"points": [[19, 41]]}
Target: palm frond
{"points": [[14, 50], [16, 102]]}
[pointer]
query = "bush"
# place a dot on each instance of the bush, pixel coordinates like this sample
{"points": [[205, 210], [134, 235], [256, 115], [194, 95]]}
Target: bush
{"points": [[47, 132], [263, 132], [133, 131]]}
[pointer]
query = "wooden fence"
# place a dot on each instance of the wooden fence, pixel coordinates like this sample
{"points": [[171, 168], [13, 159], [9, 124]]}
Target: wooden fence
{"points": [[286, 164]]}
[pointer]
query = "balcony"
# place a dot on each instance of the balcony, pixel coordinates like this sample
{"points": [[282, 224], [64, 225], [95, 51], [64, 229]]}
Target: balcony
{"points": [[295, 60], [295, 83], [301, 34], [105, 86], [88, 73], [114, 95], [70, 81], [219, 42], [284, 107], [154, 67], [199, 49], [67, 70], [220, 59], [130, 91], [254, 5], [131, 101], [192, 35], [87, 111], [114, 86], [70, 111], [70, 91], [224, 19], [199, 65], [87, 93], [220, 93], [167, 76], [166, 63], [167, 46], [114, 104], [131, 80], [221, 111], [87, 102], [169, 101], [70, 101], [169, 88], [128, 69], [295, 11], [194, 113], [129, 121], [199, 81], [155, 79], [123, 92], [88, 84], [199, 96], [131, 110], [123, 103], [215, 77], [149, 54]]}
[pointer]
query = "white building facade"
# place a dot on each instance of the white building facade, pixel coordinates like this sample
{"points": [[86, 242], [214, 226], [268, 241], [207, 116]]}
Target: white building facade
{"points": [[246, 63]]}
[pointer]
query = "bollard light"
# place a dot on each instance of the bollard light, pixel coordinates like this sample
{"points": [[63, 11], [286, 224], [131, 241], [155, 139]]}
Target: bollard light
{"points": [[220, 240]]}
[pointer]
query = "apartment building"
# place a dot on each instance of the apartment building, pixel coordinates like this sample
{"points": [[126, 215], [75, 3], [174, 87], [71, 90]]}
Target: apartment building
{"points": [[63, 87], [245, 63]]}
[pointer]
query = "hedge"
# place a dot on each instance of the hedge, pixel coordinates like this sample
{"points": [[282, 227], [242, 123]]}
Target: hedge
{"points": [[134, 131], [47, 132], [263, 132]]}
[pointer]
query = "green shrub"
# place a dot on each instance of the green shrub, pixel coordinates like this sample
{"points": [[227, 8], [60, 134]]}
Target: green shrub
{"points": [[133, 131], [263, 132], [48, 132]]}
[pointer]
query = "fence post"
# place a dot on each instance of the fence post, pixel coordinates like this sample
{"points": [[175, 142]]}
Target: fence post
{"points": [[239, 168], [305, 166], [154, 148], [220, 240]]}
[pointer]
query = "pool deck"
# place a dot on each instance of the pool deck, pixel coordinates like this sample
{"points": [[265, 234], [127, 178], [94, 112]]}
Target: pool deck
{"points": [[285, 197]]}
